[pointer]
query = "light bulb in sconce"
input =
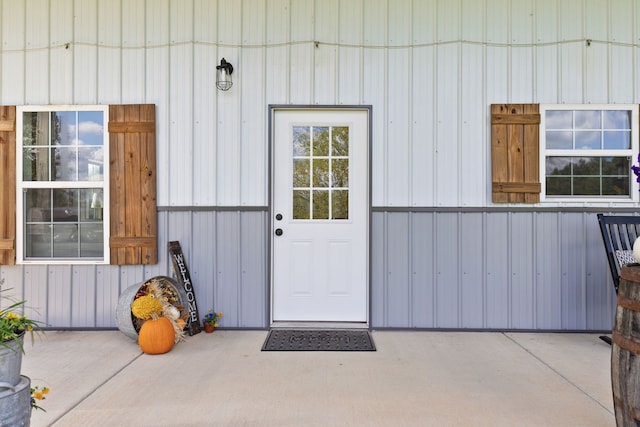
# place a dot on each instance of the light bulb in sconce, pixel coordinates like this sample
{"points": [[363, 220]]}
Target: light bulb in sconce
{"points": [[223, 75]]}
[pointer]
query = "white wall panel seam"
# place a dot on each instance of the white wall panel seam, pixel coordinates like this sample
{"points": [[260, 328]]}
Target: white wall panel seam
{"points": [[24, 55], [609, 54], [49, 55], [410, 119], [385, 137], [2, 57], [583, 56], [218, 150], [460, 132], [194, 196]]}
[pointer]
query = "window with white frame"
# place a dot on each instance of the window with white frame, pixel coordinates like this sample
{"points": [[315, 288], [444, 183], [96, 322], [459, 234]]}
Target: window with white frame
{"points": [[587, 152], [62, 184]]}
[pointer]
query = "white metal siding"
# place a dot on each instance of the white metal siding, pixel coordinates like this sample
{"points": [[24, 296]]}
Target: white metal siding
{"points": [[430, 69]]}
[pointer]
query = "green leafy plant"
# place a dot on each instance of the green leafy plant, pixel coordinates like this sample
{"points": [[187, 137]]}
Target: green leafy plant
{"points": [[212, 318], [13, 324], [38, 393]]}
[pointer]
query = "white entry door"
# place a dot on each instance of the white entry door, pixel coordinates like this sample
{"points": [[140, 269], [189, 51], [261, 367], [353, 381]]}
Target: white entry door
{"points": [[320, 256]]}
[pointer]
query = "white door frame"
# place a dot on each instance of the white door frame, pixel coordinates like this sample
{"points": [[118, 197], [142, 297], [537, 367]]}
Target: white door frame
{"points": [[273, 109]]}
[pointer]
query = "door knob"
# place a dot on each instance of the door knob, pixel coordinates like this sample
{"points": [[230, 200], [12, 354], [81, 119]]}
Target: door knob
{"points": [[278, 231], [279, 217]]}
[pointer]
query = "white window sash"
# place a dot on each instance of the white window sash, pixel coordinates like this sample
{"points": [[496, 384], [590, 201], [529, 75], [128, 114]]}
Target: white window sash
{"points": [[631, 153], [21, 185]]}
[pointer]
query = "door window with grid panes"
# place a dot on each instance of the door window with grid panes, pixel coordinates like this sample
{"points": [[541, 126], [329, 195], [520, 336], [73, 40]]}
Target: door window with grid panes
{"points": [[320, 172]]}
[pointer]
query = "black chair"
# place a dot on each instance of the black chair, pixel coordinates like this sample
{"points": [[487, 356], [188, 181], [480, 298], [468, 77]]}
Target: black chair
{"points": [[619, 232]]}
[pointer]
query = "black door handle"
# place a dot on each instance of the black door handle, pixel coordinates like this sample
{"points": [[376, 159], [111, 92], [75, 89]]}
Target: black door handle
{"points": [[278, 231]]}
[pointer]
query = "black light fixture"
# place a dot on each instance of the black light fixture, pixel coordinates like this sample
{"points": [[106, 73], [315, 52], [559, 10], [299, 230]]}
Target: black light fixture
{"points": [[223, 75]]}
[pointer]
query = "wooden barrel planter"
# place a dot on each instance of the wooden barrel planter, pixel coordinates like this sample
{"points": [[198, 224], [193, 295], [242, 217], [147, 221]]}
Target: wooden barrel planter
{"points": [[15, 403], [127, 322], [625, 349]]}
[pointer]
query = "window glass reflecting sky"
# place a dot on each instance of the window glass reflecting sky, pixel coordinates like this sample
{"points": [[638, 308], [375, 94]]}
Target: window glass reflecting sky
{"points": [[588, 119]]}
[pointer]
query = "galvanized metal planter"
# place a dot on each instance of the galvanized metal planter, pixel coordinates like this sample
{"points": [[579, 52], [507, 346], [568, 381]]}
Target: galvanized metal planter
{"points": [[15, 403], [126, 322], [11, 361]]}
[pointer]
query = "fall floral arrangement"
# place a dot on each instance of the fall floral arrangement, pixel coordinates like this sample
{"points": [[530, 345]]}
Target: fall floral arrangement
{"points": [[160, 290], [161, 323]]}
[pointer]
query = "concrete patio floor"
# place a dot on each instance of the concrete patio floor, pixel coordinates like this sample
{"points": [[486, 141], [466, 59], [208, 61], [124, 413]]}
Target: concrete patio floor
{"points": [[100, 378]]}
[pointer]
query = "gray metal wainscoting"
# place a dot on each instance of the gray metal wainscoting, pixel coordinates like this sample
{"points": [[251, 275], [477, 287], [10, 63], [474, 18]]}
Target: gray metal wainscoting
{"points": [[429, 269], [489, 270], [225, 250]]}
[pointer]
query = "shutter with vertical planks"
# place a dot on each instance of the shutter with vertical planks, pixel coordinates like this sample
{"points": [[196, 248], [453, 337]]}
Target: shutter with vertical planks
{"points": [[515, 153], [8, 187], [134, 223]]}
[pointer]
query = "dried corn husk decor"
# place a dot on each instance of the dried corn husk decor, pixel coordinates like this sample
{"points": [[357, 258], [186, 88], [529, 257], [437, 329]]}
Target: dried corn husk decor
{"points": [[168, 310], [146, 307]]}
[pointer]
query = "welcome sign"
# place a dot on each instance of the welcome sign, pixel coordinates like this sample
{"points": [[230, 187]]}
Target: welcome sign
{"points": [[180, 267]]}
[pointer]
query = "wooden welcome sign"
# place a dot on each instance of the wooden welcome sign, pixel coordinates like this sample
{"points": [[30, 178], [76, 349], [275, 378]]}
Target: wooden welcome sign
{"points": [[180, 267]]}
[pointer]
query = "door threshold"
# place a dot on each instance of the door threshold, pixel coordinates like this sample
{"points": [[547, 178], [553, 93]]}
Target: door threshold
{"points": [[319, 325]]}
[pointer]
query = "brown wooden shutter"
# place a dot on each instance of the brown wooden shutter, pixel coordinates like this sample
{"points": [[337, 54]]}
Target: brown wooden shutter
{"points": [[8, 186], [515, 153], [134, 218]]}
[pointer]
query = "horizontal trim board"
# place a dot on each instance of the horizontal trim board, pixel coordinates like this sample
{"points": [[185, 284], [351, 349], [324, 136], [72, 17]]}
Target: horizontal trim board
{"points": [[212, 208], [132, 242], [515, 119], [514, 209], [585, 209], [132, 127], [516, 187], [7, 125], [7, 244]]}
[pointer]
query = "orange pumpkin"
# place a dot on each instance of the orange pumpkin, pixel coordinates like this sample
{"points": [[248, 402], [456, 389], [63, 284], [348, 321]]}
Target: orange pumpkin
{"points": [[156, 336]]}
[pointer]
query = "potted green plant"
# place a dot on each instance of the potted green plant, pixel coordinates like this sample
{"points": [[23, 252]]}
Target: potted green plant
{"points": [[211, 321], [16, 400], [13, 325]]}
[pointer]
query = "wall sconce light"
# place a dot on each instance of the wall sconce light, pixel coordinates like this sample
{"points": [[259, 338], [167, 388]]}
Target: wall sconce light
{"points": [[223, 75]]}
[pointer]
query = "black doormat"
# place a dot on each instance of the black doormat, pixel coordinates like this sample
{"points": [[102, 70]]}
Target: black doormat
{"points": [[318, 340]]}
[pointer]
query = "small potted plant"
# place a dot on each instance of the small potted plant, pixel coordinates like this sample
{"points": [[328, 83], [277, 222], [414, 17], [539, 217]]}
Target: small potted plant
{"points": [[14, 324], [211, 321]]}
